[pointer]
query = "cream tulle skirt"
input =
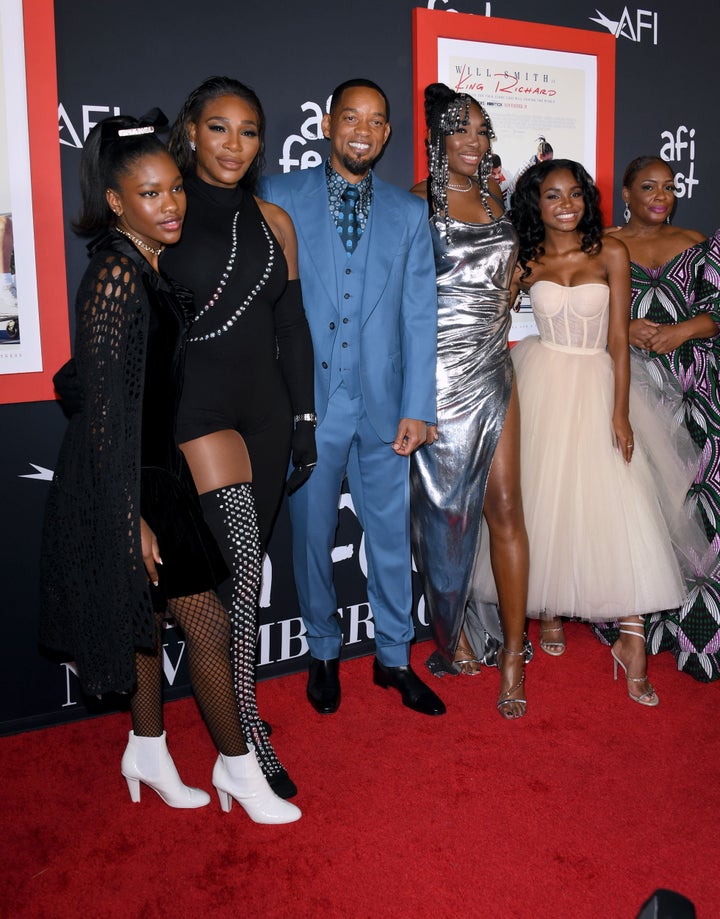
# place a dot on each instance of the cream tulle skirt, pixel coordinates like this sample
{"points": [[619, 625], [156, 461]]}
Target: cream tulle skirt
{"points": [[607, 538]]}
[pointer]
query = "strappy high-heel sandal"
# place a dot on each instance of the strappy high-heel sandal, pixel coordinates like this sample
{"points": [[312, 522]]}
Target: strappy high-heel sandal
{"points": [[505, 697], [649, 697], [553, 648], [465, 660]]}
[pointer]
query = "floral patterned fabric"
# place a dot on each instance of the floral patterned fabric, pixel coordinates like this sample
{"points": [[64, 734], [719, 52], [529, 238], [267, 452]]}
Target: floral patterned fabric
{"points": [[687, 285]]}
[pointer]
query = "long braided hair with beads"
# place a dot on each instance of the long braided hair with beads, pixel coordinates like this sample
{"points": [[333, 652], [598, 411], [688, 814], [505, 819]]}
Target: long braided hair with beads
{"points": [[445, 112]]}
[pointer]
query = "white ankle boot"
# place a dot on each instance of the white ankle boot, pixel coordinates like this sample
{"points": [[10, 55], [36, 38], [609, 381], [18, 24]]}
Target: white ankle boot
{"points": [[147, 760], [241, 777]]}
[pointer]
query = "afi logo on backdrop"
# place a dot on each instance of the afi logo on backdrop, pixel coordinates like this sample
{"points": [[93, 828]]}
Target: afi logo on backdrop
{"points": [[638, 26], [679, 149], [89, 117], [294, 152]]}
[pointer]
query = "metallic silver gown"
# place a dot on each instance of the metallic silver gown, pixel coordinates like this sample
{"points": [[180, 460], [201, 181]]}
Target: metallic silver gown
{"points": [[474, 382]]}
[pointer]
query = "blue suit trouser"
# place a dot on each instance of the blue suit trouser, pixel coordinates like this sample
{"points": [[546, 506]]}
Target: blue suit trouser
{"points": [[378, 479]]}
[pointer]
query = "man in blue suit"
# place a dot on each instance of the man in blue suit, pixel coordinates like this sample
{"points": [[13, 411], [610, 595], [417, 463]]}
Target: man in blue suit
{"points": [[368, 280]]}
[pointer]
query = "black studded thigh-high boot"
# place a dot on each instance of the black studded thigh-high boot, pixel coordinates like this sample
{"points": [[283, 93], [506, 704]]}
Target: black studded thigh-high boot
{"points": [[230, 514]]}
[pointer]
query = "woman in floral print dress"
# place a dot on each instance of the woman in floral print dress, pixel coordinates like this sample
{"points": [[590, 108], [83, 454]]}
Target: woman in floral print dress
{"points": [[675, 277]]}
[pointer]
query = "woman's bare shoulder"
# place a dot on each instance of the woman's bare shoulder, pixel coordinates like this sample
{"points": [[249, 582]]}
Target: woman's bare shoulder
{"points": [[420, 189], [692, 237], [274, 214]]}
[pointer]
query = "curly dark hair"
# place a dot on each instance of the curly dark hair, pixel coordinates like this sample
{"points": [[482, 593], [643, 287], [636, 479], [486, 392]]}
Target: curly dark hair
{"points": [[525, 211], [191, 111], [106, 156]]}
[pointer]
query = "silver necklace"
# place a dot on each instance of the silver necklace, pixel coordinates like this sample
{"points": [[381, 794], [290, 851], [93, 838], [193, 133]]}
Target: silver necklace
{"points": [[224, 279], [483, 196], [139, 243], [461, 188]]}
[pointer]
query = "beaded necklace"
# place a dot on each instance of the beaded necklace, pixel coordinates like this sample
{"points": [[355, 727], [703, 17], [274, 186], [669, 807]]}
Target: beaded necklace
{"points": [[139, 243], [460, 188]]}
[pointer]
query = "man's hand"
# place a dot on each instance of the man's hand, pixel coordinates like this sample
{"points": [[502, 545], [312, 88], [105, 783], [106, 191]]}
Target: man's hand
{"points": [[411, 434]]}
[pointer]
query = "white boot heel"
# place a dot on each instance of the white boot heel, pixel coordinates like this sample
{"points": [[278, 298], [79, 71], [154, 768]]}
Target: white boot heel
{"points": [[241, 778], [134, 788], [225, 801], [147, 760]]}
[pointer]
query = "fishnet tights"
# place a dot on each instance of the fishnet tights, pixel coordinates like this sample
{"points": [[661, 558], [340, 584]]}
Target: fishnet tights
{"points": [[146, 701], [207, 632], [230, 514]]}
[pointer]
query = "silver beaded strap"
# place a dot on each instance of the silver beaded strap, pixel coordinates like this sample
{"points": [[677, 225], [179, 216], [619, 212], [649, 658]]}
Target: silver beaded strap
{"points": [[226, 276]]}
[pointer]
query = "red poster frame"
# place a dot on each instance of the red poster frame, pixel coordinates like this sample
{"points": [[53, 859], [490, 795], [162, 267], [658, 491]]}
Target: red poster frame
{"points": [[431, 25], [42, 105]]}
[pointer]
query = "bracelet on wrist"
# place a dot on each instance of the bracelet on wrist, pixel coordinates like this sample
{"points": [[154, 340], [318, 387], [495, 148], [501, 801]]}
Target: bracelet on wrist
{"points": [[306, 416]]}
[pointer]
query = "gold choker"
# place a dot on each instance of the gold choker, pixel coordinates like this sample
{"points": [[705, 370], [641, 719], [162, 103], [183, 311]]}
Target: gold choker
{"points": [[139, 243]]}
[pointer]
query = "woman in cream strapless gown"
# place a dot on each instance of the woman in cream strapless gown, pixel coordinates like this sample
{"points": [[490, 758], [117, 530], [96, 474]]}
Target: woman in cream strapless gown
{"points": [[600, 528], [603, 505]]}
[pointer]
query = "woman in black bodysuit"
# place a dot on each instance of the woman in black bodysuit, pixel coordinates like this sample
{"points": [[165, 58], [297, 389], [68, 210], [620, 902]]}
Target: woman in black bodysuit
{"points": [[122, 497], [248, 394]]}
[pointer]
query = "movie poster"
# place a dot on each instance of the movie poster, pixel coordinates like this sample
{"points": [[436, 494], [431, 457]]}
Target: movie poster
{"points": [[542, 103], [20, 350]]}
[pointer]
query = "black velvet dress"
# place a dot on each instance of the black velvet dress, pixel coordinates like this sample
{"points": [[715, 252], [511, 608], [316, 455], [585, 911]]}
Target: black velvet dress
{"points": [[119, 460], [168, 499]]}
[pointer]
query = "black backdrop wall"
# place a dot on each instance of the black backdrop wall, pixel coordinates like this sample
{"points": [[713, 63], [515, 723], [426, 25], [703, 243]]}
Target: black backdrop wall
{"points": [[140, 53]]}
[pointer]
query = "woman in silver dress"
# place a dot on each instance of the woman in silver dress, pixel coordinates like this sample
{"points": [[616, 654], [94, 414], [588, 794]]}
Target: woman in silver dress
{"points": [[470, 465]]}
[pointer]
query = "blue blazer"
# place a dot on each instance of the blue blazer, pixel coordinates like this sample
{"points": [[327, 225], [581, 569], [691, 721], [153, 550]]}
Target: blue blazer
{"points": [[398, 332]]}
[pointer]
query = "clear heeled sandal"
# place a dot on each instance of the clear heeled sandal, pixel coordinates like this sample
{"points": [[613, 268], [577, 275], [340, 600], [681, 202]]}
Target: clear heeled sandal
{"points": [[553, 647], [465, 660], [649, 697]]}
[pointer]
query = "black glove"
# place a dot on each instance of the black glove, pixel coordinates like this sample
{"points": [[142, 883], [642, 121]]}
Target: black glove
{"points": [[68, 386], [304, 455]]}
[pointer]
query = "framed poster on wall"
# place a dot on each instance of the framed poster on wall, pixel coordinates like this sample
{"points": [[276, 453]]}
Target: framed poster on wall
{"points": [[34, 336], [549, 91]]}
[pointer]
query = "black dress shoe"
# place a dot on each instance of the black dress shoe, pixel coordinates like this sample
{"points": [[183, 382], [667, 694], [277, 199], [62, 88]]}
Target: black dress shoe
{"points": [[323, 688], [415, 694], [282, 784]]}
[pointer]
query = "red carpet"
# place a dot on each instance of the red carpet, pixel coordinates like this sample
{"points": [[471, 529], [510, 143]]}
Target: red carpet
{"points": [[579, 810]]}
